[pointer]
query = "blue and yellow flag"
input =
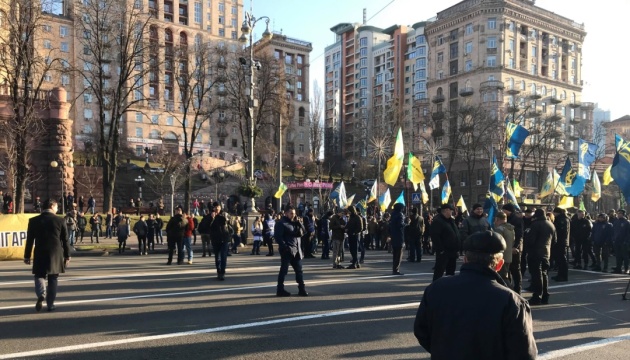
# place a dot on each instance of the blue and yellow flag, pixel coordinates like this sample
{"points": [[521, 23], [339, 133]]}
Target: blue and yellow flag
{"points": [[414, 171], [362, 206], [438, 168], [425, 196], [400, 199], [566, 202], [572, 181], [395, 163], [339, 196], [491, 208], [373, 192], [446, 192], [517, 188], [384, 200], [586, 155], [496, 179], [597, 187], [511, 197], [618, 142], [462, 204], [515, 135], [608, 176], [621, 168]]}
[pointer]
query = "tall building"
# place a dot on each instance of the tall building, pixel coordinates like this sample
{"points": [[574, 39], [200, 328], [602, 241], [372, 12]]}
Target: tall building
{"points": [[510, 56]]}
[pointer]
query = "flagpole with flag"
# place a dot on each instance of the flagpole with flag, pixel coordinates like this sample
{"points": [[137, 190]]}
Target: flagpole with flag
{"points": [[395, 163]]}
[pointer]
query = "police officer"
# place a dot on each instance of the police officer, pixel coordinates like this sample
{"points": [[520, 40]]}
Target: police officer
{"points": [[451, 325]]}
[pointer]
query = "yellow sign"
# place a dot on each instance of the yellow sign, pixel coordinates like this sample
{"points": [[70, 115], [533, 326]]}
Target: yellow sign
{"points": [[13, 236]]}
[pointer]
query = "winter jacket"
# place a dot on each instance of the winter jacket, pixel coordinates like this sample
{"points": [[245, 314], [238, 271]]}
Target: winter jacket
{"points": [[563, 230], [354, 225], [415, 229], [602, 233], [141, 228], [507, 231], [621, 231], [337, 225], [175, 228], [397, 228], [473, 224], [517, 221], [539, 237], [444, 235], [581, 230], [288, 234]]}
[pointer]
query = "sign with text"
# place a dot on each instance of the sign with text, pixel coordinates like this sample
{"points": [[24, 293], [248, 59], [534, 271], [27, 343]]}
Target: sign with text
{"points": [[13, 235], [309, 185]]}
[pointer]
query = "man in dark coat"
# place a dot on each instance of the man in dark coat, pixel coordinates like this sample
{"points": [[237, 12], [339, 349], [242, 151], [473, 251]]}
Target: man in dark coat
{"points": [[397, 235], [288, 232], [445, 239], [559, 251], [175, 236], [48, 233], [413, 235], [540, 237], [220, 238], [495, 324], [515, 219], [621, 242], [581, 228], [354, 229]]}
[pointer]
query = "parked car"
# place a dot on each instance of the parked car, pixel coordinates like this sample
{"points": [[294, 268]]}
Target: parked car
{"points": [[367, 182]]}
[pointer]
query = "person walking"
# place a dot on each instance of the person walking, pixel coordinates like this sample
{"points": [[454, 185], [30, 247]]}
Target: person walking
{"points": [[323, 230], [268, 235], [175, 236], [220, 234], [540, 237], [338, 228], [140, 228], [397, 225], [122, 233], [151, 232], [71, 225], [353, 229], [95, 226], [288, 233], [188, 236], [81, 225], [494, 324], [49, 235], [445, 239]]}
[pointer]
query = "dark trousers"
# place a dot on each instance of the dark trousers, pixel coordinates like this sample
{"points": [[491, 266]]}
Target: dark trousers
{"points": [[538, 267], [306, 245], [220, 255], [523, 262], [621, 253], [560, 253], [158, 235], [325, 246], [353, 241], [415, 249], [287, 258], [142, 244], [515, 273], [205, 244], [179, 243], [579, 246], [587, 252], [151, 240], [444, 263], [397, 251], [269, 240], [602, 252], [49, 293], [362, 248]]}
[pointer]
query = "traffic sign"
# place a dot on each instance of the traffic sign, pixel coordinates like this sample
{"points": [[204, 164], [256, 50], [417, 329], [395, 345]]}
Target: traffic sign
{"points": [[416, 198]]}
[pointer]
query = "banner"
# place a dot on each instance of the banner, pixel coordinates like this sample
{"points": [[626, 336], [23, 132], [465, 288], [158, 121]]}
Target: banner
{"points": [[13, 236]]}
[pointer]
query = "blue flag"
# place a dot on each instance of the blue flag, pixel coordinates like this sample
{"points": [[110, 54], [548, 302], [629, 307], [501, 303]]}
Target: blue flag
{"points": [[515, 135], [618, 142], [491, 208], [438, 168], [401, 198], [511, 197], [572, 181], [496, 179], [586, 155], [621, 167], [446, 192]]}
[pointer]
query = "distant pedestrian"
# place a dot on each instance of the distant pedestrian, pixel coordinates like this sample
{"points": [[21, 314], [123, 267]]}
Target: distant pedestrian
{"points": [[141, 229], [122, 233], [220, 233], [175, 230], [48, 234]]}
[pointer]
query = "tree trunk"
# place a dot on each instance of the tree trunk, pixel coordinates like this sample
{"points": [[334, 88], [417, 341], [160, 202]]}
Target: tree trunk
{"points": [[21, 174], [109, 179]]}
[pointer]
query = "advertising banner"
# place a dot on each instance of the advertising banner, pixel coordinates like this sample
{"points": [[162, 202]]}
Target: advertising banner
{"points": [[13, 236]]}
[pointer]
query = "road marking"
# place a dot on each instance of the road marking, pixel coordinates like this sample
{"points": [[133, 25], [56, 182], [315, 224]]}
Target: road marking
{"points": [[584, 347], [206, 331], [196, 292]]}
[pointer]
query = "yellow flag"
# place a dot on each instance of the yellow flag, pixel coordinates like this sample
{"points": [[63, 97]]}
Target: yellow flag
{"points": [[548, 186], [597, 188], [566, 202], [395, 163], [414, 171], [517, 188], [281, 189], [608, 176], [461, 203], [425, 195]]}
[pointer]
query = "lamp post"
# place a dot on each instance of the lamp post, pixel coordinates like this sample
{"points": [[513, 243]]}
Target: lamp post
{"points": [[173, 179], [354, 165], [139, 180], [218, 177], [62, 166], [247, 29]]}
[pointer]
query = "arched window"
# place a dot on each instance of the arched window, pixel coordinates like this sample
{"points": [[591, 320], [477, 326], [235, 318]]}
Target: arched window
{"points": [[533, 89], [301, 112], [554, 93], [543, 91], [154, 134], [523, 85], [572, 98], [511, 83], [564, 95], [168, 36], [439, 91]]}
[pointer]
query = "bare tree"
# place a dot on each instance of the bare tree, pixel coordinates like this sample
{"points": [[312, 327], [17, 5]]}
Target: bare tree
{"points": [[316, 128], [118, 55], [197, 74], [24, 66]]}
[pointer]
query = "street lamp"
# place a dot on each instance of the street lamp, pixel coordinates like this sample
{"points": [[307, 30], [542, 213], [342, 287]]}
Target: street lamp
{"points": [[218, 177], [247, 30], [62, 166], [139, 180], [354, 165], [173, 179]]}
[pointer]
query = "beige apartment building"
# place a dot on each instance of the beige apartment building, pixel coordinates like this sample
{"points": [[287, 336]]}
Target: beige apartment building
{"points": [[509, 55]]}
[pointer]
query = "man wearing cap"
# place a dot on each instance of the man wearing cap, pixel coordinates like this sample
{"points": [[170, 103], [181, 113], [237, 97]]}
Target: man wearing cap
{"points": [[539, 237], [621, 241], [496, 323], [515, 220], [563, 231], [445, 238]]}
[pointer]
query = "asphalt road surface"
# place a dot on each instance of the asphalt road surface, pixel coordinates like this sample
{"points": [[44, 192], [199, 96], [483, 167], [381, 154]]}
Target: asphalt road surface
{"points": [[135, 307]]}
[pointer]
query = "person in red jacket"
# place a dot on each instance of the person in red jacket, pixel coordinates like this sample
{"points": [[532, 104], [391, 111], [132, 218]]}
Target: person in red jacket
{"points": [[188, 235]]}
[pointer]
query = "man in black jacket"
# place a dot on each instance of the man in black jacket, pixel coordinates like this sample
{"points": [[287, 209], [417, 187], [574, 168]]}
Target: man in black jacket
{"points": [[515, 220], [495, 323], [175, 236], [540, 236], [559, 251], [220, 235], [445, 239], [413, 235], [48, 233], [288, 232], [581, 232]]}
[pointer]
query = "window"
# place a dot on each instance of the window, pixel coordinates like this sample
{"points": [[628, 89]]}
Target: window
{"points": [[63, 31], [64, 46], [300, 59], [440, 40], [469, 48], [492, 23], [65, 80], [138, 117], [222, 32], [139, 150], [534, 69], [511, 63], [198, 12], [301, 148], [138, 132], [534, 51], [87, 129], [87, 98], [454, 50], [491, 61], [47, 28], [48, 78], [87, 113], [47, 44], [440, 57], [363, 41], [492, 42], [234, 143], [169, 120], [468, 65], [469, 29], [234, 11], [222, 8], [155, 119]]}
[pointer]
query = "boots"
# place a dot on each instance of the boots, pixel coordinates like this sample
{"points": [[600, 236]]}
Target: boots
{"points": [[302, 291]]}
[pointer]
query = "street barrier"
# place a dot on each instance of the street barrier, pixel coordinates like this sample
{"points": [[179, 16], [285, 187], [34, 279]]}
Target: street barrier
{"points": [[13, 235]]}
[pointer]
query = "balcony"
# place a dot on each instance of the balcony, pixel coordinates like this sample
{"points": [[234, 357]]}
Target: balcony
{"points": [[438, 99], [513, 91], [575, 105], [534, 114], [555, 117], [222, 132], [438, 115], [467, 91], [576, 120], [555, 100], [512, 109], [492, 84], [535, 96]]}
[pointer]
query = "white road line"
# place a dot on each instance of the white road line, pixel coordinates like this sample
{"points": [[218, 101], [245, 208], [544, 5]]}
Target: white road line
{"points": [[584, 347], [196, 292], [205, 331]]}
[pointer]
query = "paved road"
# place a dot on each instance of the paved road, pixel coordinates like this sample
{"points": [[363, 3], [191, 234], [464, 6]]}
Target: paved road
{"points": [[135, 307]]}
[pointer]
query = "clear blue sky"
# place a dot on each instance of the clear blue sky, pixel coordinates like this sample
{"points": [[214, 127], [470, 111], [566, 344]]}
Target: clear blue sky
{"points": [[606, 49]]}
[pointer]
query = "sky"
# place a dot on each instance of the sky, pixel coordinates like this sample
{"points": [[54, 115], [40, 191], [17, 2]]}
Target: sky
{"points": [[606, 48]]}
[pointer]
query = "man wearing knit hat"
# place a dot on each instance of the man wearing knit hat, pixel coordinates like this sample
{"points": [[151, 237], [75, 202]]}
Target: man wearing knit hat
{"points": [[539, 238], [451, 325]]}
